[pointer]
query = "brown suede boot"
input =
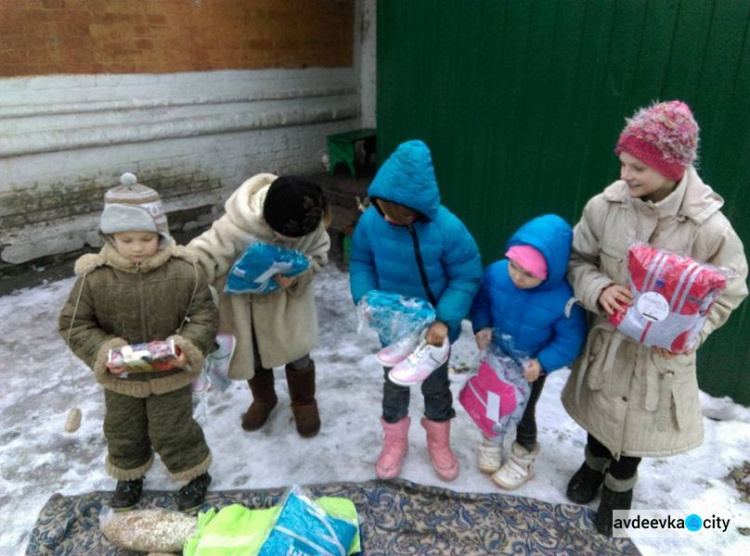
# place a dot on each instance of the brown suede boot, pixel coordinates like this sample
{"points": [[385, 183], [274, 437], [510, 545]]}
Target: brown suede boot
{"points": [[264, 400], [302, 392]]}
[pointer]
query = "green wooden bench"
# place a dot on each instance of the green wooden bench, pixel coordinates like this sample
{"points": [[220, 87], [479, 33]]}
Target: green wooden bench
{"points": [[341, 147]]}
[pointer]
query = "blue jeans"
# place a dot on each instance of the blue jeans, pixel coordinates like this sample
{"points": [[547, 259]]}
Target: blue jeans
{"points": [[438, 398]]}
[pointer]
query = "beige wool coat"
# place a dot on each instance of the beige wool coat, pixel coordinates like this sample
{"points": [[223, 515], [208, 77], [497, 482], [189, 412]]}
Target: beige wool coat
{"points": [[284, 322], [634, 401]]}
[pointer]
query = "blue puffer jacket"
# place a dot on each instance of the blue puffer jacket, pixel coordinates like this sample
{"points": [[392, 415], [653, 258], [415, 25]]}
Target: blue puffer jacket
{"points": [[540, 320], [384, 256]]}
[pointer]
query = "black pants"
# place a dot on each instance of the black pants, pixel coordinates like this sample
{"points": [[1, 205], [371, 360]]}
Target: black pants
{"points": [[624, 468], [438, 398], [526, 430]]}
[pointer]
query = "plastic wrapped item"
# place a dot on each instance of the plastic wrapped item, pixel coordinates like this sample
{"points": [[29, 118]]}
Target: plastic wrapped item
{"points": [[153, 530], [253, 272], [672, 296], [302, 527], [495, 396], [236, 529], [394, 316], [143, 357]]}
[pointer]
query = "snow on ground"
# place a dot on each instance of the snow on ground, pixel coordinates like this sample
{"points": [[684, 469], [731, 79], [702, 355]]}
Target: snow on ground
{"points": [[41, 381]]}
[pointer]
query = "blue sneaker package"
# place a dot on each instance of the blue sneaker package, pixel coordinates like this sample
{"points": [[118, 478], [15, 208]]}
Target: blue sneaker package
{"points": [[253, 272], [394, 316], [303, 528]]}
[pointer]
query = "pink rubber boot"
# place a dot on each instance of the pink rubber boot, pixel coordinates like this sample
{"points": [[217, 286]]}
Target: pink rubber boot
{"points": [[438, 443], [395, 446]]}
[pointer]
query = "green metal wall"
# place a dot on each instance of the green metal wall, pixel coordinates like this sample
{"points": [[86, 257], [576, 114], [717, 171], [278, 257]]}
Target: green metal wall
{"points": [[522, 102]]}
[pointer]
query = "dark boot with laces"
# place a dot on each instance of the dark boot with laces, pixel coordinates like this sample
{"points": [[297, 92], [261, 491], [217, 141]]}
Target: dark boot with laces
{"points": [[191, 496], [584, 485], [127, 494]]}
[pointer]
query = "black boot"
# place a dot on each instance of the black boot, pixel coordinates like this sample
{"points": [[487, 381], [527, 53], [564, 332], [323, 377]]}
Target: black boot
{"points": [[617, 494], [192, 495], [584, 485], [127, 494]]}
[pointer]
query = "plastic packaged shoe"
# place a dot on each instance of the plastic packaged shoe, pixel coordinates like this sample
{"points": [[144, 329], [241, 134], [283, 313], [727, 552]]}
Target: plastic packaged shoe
{"points": [[398, 351], [219, 361], [420, 364]]}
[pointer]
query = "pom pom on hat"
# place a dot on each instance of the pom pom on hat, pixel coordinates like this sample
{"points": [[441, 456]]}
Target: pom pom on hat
{"points": [[530, 259], [133, 207], [294, 207], [664, 136]]}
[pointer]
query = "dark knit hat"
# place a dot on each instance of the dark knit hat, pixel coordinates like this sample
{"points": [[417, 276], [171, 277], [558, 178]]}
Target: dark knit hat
{"points": [[294, 207], [664, 136], [132, 207]]}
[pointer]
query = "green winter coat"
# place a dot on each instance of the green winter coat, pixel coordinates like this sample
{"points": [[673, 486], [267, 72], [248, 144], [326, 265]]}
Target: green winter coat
{"points": [[115, 303]]}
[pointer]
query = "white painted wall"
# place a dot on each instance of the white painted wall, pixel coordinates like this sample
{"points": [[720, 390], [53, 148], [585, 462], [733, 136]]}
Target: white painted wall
{"points": [[194, 136]]}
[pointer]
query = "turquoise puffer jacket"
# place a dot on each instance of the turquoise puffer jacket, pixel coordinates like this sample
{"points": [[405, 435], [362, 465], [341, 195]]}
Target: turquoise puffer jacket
{"points": [[385, 257]]}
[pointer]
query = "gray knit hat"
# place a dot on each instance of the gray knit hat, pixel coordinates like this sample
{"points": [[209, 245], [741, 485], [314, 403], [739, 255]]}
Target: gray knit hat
{"points": [[132, 207]]}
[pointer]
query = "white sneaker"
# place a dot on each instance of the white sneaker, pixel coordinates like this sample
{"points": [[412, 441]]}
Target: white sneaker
{"points": [[420, 364], [490, 456], [519, 468], [398, 351], [219, 360]]}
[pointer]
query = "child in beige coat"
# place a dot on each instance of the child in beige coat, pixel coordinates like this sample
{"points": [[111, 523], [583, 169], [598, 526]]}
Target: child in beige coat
{"points": [[280, 327]]}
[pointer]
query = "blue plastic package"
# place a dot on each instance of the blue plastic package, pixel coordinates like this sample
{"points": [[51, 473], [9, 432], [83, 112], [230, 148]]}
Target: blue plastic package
{"points": [[394, 316], [303, 528], [253, 272]]}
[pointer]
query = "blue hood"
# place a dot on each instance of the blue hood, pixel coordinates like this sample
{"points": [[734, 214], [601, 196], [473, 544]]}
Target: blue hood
{"points": [[408, 178], [553, 237]]}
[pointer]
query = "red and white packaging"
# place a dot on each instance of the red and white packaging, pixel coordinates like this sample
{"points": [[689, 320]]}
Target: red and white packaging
{"points": [[672, 295], [144, 357]]}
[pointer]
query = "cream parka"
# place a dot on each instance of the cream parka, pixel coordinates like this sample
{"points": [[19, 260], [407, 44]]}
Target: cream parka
{"points": [[284, 322], [634, 401]]}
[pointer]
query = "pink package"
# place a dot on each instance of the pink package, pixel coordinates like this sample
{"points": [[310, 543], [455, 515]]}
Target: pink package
{"points": [[672, 295], [489, 400]]}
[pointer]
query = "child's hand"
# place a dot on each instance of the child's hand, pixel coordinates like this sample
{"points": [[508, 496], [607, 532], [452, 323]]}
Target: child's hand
{"points": [[284, 281], [531, 370], [115, 369], [483, 337], [615, 299], [436, 333], [666, 354]]}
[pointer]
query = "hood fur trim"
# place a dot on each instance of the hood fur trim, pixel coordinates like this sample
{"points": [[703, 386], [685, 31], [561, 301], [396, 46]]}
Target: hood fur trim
{"points": [[108, 256]]}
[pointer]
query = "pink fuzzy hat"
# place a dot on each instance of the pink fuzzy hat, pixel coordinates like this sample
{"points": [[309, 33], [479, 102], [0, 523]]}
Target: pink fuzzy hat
{"points": [[664, 136], [530, 259]]}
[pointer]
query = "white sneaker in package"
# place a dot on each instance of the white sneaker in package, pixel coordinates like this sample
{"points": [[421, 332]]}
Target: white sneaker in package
{"points": [[420, 364]]}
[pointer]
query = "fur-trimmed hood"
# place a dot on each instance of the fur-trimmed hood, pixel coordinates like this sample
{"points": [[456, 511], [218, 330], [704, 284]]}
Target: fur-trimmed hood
{"points": [[109, 256]]}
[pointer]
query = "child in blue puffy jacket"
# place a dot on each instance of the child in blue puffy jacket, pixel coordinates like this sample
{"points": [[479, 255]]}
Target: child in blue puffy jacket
{"points": [[406, 242], [527, 297]]}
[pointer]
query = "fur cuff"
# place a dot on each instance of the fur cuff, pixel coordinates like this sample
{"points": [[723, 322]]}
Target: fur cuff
{"points": [[193, 355], [128, 474], [100, 365], [190, 474]]}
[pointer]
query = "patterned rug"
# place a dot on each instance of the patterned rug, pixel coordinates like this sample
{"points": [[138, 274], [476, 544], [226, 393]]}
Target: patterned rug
{"points": [[396, 517]]}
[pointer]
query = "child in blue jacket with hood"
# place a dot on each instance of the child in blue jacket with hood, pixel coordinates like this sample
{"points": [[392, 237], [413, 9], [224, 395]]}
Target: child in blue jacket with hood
{"points": [[527, 297], [406, 242]]}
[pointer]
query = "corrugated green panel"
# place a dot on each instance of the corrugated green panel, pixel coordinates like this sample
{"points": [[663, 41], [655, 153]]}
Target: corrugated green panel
{"points": [[522, 101]]}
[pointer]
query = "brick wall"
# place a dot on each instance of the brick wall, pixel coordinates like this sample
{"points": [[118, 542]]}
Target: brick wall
{"points": [[41, 37]]}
